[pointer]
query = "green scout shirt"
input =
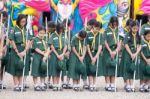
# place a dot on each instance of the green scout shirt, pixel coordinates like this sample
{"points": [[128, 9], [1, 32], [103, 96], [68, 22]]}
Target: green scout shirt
{"points": [[75, 43], [130, 41], [145, 49], [58, 41], [17, 36], [40, 44], [110, 38], [144, 28], [94, 44]]}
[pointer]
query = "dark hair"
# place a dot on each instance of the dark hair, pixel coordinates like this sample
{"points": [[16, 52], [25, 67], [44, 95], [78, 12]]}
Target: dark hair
{"points": [[4, 13], [51, 24], [40, 28], [134, 23], [113, 19], [82, 34], [59, 27], [148, 16], [129, 22], [98, 24], [146, 32], [20, 17], [91, 22], [65, 20]]}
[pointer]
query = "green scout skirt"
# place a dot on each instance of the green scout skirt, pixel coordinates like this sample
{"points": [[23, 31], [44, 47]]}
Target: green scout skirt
{"points": [[36, 66], [107, 69], [75, 71], [127, 64], [91, 69], [142, 71], [14, 60], [54, 68]]}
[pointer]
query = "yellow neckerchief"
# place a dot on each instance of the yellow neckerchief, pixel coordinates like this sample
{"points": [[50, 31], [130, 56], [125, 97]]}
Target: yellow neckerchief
{"points": [[66, 33], [80, 46], [134, 40], [94, 40], [43, 42], [49, 34], [114, 34], [23, 34], [148, 43], [60, 40]]}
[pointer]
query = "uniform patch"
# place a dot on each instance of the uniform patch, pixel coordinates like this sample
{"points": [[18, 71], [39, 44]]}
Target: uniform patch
{"points": [[144, 45], [147, 28], [109, 33], [90, 37], [56, 38], [39, 42], [17, 32]]}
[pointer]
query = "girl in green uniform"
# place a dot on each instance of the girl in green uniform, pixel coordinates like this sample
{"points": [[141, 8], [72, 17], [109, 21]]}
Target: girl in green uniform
{"points": [[145, 63], [112, 47], [77, 59], [20, 41], [51, 30], [3, 48], [58, 45], [39, 66], [126, 31], [145, 26], [132, 49], [94, 46]]}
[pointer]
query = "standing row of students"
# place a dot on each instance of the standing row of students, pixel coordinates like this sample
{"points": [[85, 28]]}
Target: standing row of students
{"points": [[56, 53]]}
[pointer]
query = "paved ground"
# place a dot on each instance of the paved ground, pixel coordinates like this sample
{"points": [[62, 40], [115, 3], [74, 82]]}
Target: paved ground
{"points": [[69, 94]]}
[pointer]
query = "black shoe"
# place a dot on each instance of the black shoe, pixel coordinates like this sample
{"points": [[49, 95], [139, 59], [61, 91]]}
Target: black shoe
{"points": [[113, 89], [91, 89], [142, 90], [108, 88], [2, 86], [85, 87], [37, 88], [132, 89], [147, 90], [55, 89], [22, 89], [76, 89], [128, 90], [64, 86], [43, 88], [69, 86], [50, 86], [17, 89]]}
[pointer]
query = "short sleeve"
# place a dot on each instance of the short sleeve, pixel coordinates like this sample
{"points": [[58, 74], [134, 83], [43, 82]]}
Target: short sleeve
{"points": [[12, 34], [126, 39], [73, 41], [34, 43]]}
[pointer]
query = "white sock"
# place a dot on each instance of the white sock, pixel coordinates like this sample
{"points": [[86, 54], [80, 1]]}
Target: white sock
{"points": [[112, 85], [131, 86], [42, 84], [107, 85], [1, 82], [128, 86], [142, 85], [36, 85], [146, 87]]}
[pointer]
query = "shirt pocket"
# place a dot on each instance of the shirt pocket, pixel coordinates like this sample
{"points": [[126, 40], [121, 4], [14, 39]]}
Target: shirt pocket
{"points": [[18, 37]]}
